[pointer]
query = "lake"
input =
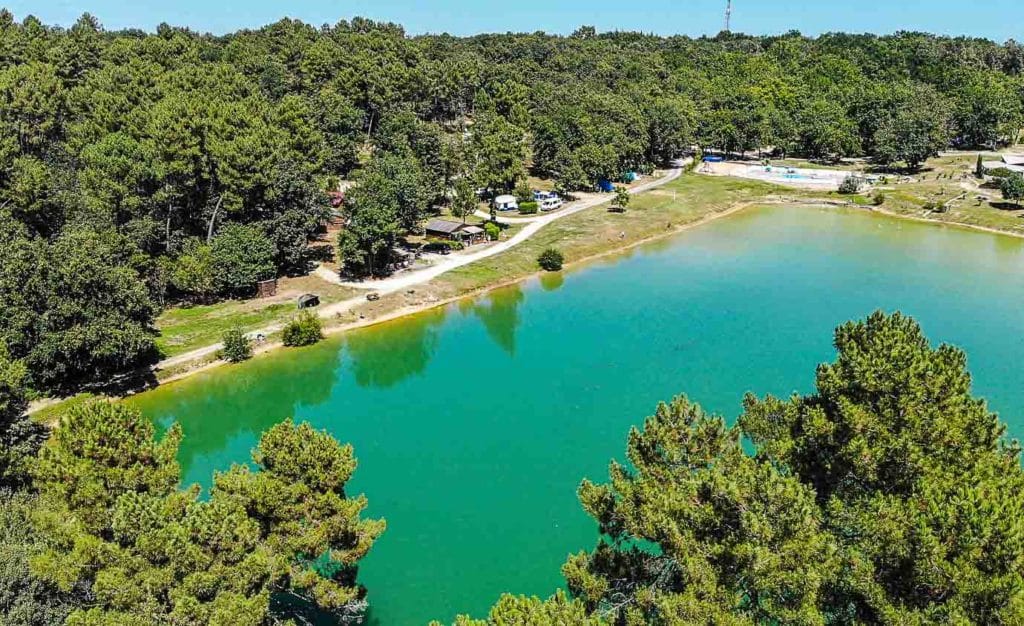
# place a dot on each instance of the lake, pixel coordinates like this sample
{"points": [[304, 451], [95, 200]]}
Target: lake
{"points": [[474, 424]]}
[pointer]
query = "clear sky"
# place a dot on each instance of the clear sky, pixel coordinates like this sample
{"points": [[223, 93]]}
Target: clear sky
{"points": [[995, 19]]}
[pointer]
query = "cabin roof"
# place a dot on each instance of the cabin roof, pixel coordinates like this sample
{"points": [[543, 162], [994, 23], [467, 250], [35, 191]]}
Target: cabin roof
{"points": [[444, 226]]}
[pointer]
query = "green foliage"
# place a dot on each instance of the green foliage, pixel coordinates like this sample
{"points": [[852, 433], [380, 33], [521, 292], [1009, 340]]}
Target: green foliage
{"points": [[986, 109], [193, 272], [1012, 187], [500, 153], [909, 122], [114, 522], [671, 129], [464, 200], [890, 495], [979, 168], [622, 197], [493, 231], [164, 139], [522, 192], [851, 184], [77, 309], [551, 260], [878, 198], [390, 197], [528, 208], [20, 437], [1000, 172], [522, 611], [241, 255], [302, 330], [25, 600], [237, 347]]}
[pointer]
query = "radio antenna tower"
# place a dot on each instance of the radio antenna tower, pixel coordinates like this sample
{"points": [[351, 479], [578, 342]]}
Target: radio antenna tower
{"points": [[728, 16]]}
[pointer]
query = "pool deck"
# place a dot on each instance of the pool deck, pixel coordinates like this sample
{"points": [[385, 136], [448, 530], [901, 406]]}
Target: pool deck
{"points": [[819, 179]]}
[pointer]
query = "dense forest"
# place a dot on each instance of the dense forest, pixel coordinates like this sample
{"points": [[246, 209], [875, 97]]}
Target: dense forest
{"points": [[142, 169]]}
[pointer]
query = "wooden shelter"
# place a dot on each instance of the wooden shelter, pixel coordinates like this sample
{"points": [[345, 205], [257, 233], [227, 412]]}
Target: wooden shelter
{"points": [[456, 231]]}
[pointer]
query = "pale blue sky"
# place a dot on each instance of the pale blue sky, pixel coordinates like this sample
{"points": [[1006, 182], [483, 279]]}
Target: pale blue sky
{"points": [[995, 19]]}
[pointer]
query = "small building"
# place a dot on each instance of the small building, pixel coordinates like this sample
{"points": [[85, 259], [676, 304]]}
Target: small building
{"points": [[506, 203], [308, 301], [266, 288], [455, 231]]}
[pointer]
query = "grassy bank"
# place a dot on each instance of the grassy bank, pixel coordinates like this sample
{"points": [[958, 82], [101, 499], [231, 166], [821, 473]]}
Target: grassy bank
{"points": [[188, 328], [589, 233]]}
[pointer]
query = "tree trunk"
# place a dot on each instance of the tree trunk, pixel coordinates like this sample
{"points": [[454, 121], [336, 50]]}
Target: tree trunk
{"points": [[213, 220], [167, 229]]}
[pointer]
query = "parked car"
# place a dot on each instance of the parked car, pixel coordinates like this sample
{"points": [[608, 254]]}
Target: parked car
{"points": [[550, 203]]}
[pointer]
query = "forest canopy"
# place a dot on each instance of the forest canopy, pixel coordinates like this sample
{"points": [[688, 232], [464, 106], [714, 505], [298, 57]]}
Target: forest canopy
{"points": [[141, 169]]}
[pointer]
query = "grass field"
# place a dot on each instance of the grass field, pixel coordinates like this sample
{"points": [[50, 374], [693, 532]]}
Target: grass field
{"points": [[187, 328]]}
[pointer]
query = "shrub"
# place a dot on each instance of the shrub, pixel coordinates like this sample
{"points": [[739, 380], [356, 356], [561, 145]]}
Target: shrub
{"points": [[622, 198], [303, 330], [878, 199], [523, 193], [528, 208], [1012, 187], [1000, 172], [551, 260], [493, 231], [851, 184], [237, 347]]}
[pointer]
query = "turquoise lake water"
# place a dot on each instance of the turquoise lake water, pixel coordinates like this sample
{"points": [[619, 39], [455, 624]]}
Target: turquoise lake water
{"points": [[474, 424]]}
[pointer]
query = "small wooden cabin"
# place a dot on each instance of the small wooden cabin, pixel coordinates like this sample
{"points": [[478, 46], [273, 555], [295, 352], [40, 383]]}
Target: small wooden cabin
{"points": [[456, 231]]}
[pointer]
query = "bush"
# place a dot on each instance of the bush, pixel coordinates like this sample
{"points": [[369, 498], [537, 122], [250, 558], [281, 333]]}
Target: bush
{"points": [[1000, 172], [493, 231], [303, 330], [551, 260], [622, 198], [878, 199], [1012, 187], [851, 184], [237, 346], [523, 193], [528, 208]]}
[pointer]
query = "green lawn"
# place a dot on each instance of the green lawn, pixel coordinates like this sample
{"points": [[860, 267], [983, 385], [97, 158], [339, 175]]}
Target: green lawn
{"points": [[188, 328]]}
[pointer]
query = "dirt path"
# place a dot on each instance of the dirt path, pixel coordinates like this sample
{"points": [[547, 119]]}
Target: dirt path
{"points": [[418, 277]]}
